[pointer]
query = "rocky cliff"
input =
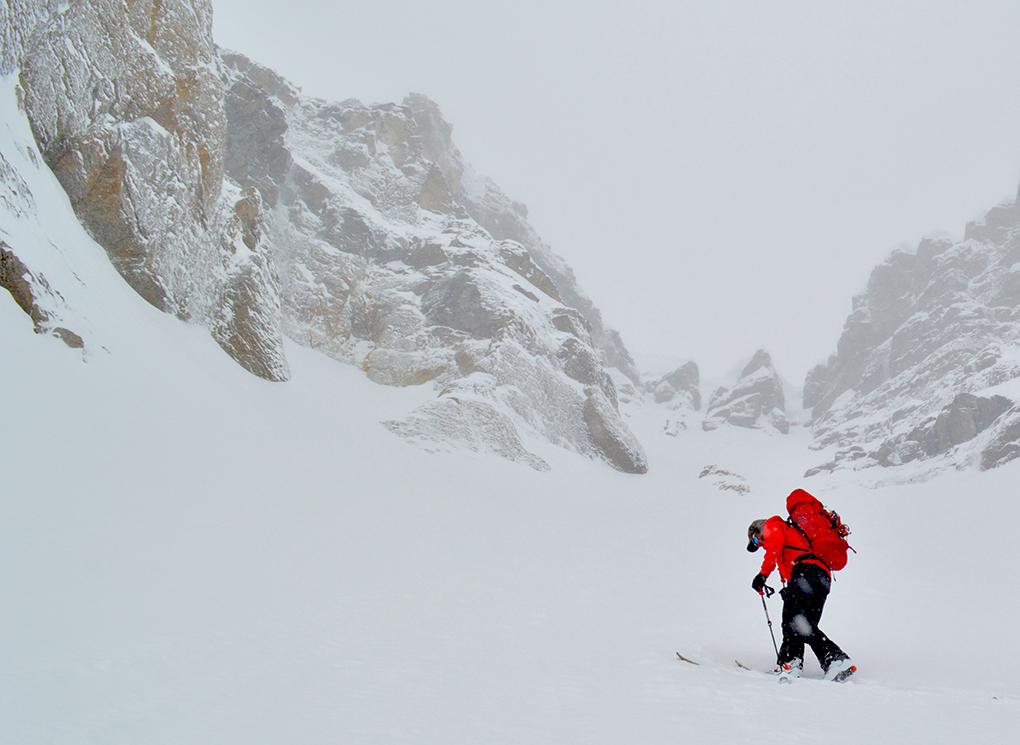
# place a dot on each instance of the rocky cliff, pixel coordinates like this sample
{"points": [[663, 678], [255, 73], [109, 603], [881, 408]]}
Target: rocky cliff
{"points": [[127, 109], [929, 360], [395, 256], [225, 196], [755, 400]]}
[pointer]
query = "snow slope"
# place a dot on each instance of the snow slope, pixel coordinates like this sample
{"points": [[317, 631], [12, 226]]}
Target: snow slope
{"points": [[194, 555], [191, 554]]}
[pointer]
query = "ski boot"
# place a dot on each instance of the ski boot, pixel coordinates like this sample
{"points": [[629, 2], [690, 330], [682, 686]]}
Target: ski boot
{"points": [[787, 671], [839, 669]]}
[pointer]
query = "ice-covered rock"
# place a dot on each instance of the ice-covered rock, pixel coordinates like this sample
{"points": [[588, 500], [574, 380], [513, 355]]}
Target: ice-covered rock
{"points": [[1004, 444], [920, 367], [41, 239], [472, 423], [18, 22], [246, 320], [756, 399]]}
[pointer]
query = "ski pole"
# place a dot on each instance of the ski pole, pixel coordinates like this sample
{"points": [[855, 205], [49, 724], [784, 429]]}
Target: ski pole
{"points": [[771, 632]]}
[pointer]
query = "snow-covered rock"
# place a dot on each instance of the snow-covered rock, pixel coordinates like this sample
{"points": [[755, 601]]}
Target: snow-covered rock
{"points": [[755, 400], [725, 480], [925, 360], [383, 266], [681, 389], [506, 219]]}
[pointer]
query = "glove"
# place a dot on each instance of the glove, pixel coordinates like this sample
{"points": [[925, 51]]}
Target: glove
{"points": [[758, 584]]}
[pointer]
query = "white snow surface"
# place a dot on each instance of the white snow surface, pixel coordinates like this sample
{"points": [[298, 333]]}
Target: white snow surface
{"points": [[191, 554]]}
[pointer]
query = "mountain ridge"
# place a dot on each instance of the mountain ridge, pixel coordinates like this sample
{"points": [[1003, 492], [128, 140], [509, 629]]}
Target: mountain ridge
{"points": [[926, 355]]}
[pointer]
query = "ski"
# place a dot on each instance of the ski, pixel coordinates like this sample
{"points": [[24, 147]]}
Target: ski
{"points": [[739, 664], [742, 666]]}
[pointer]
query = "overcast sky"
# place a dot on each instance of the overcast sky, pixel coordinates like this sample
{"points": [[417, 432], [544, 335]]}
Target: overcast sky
{"points": [[721, 176]]}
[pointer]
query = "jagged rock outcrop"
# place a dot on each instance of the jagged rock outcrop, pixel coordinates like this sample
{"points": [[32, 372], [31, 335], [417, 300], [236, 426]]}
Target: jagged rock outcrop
{"points": [[18, 22], [128, 110], [506, 219], [382, 265], [681, 389], [754, 401], [248, 309], [920, 367], [959, 422]]}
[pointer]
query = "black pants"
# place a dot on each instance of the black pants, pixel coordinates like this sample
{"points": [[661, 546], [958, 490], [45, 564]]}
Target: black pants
{"points": [[803, 600]]}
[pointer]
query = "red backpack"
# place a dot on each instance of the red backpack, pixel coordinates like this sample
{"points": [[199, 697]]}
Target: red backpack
{"points": [[825, 532]]}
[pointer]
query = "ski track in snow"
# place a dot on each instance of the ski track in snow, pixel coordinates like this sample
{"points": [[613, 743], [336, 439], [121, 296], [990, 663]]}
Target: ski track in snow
{"points": [[193, 555]]}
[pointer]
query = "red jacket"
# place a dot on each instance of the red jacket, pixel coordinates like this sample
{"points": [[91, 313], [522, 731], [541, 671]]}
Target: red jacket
{"points": [[783, 543]]}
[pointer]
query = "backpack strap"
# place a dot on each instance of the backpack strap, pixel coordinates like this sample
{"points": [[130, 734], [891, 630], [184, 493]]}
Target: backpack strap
{"points": [[790, 521], [806, 555]]}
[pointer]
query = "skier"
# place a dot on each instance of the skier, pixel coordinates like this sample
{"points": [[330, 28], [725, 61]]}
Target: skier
{"points": [[807, 580]]}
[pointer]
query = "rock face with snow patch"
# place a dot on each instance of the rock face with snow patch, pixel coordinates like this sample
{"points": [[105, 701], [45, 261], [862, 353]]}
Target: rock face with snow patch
{"points": [[128, 110], [754, 401], [925, 362], [33, 295]]}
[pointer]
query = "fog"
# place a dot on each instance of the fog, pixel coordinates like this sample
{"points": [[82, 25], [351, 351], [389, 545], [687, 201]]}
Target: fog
{"points": [[720, 178]]}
